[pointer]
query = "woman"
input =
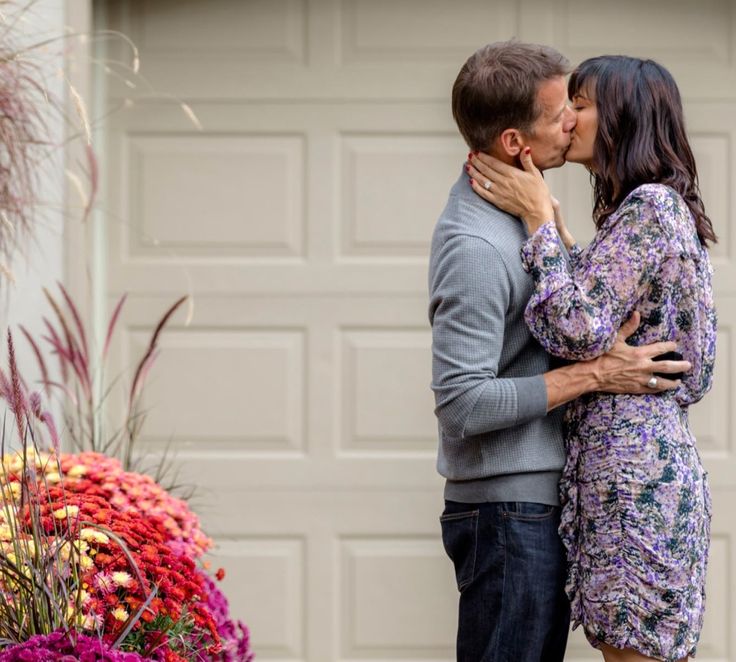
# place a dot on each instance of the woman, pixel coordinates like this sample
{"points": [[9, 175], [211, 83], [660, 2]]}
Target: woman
{"points": [[636, 504]]}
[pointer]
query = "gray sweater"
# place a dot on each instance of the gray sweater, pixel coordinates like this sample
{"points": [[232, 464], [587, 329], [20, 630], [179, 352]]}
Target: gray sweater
{"points": [[496, 441]]}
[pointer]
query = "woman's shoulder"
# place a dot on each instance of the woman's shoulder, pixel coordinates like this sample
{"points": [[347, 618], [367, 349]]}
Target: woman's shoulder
{"points": [[662, 207], [658, 197]]}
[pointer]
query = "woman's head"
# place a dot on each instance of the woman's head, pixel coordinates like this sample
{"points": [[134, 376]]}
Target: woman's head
{"points": [[631, 131]]}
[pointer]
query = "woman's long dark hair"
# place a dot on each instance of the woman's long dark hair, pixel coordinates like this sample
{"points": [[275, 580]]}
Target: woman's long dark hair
{"points": [[641, 134]]}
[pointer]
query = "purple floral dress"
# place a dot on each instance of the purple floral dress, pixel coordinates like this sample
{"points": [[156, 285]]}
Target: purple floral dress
{"points": [[636, 504]]}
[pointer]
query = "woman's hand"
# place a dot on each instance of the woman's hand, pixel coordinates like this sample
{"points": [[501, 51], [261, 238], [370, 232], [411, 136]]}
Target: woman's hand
{"points": [[522, 193]]}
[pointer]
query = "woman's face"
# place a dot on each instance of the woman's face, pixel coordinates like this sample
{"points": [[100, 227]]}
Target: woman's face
{"points": [[583, 135]]}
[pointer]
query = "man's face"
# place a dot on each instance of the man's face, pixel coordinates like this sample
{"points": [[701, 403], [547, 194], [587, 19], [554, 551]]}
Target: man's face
{"points": [[549, 137]]}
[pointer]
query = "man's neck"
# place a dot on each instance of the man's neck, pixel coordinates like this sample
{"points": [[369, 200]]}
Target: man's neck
{"points": [[504, 156]]}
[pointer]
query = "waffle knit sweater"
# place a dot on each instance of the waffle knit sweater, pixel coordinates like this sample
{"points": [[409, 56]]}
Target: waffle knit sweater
{"points": [[496, 441]]}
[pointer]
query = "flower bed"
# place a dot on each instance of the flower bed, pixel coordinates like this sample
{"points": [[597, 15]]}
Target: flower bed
{"points": [[113, 558]]}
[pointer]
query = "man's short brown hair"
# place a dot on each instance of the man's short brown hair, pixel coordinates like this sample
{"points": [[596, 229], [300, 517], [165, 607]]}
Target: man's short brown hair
{"points": [[496, 89]]}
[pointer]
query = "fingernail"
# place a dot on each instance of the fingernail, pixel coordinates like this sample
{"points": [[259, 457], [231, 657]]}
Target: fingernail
{"points": [[470, 155], [467, 168], [527, 150]]}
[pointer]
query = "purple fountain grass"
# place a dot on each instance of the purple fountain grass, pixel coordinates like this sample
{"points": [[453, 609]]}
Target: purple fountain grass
{"points": [[39, 359], [146, 362], [135, 418], [94, 181], [75, 350], [26, 406], [18, 402], [23, 136], [112, 324], [77, 321], [82, 384]]}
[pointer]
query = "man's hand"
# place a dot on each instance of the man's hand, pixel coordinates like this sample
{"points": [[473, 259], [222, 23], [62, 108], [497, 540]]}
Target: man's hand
{"points": [[624, 369], [627, 369]]}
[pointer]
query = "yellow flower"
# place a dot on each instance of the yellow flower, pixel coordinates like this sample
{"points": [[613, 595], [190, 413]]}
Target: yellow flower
{"points": [[120, 614], [41, 459], [68, 511], [5, 532], [11, 490], [121, 578], [65, 550], [77, 471], [53, 477], [93, 535], [85, 562], [92, 621]]}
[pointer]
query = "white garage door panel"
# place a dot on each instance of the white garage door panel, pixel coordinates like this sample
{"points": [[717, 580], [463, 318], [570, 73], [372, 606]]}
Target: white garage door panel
{"points": [[337, 49], [300, 219], [306, 394], [176, 181], [360, 574], [299, 196]]}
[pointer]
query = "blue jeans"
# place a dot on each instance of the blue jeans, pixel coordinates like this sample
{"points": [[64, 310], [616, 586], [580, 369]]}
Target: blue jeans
{"points": [[510, 569]]}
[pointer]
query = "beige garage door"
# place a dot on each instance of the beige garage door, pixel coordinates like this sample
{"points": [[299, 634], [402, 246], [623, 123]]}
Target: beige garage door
{"points": [[299, 217]]}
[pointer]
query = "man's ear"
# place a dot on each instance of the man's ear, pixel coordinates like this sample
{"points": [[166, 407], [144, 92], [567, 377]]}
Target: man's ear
{"points": [[512, 142]]}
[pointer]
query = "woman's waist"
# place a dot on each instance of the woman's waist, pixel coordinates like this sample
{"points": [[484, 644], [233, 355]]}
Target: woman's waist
{"points": [[611, 412], [616, 401]]}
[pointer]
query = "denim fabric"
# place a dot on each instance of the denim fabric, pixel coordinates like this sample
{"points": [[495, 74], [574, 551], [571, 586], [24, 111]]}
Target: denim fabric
{"points": [[510, 570]]}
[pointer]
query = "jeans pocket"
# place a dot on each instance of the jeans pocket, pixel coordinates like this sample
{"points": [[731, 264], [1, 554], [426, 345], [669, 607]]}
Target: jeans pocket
{"points": [[530, 512], [460, 539]]}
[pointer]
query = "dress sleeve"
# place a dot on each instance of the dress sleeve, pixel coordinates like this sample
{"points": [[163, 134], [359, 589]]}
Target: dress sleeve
{"points": [[577, 309], [574, 253]]}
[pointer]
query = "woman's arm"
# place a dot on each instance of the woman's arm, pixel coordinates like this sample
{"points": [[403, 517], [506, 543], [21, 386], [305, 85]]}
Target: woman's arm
{"points": [[576, 313], [562, 230]]}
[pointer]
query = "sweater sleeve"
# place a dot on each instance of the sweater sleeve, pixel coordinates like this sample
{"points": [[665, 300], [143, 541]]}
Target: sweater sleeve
{"points": [[470, 294], [576, 311]]}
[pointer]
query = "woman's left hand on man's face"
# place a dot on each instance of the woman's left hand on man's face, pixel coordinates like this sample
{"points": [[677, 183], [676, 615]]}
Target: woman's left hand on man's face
{"points": [[522, 193]]}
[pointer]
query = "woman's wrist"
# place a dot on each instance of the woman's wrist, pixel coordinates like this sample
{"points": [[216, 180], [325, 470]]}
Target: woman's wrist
{"points": [[535, 221], [567, 239]]}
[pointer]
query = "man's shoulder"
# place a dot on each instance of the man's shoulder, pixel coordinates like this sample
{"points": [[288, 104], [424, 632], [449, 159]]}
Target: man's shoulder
{"points": [[468, 216]]}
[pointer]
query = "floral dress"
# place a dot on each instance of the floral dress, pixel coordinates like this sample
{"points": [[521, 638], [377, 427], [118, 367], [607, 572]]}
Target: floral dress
{"points": [[636, 504]]}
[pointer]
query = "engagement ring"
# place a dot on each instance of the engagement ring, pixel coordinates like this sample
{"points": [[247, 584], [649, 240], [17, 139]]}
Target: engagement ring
{"points": [[487, 185], [652, 383]]}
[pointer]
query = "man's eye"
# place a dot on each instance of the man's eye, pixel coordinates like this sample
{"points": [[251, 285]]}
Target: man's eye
{"points": [[576, 108]]}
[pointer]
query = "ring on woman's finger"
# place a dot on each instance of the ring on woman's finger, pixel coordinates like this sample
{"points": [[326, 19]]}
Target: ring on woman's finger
{"points": [[653, 381], [487, 185]]}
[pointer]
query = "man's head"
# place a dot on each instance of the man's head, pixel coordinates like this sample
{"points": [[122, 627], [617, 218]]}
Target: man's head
{"points": [[510, 95]]}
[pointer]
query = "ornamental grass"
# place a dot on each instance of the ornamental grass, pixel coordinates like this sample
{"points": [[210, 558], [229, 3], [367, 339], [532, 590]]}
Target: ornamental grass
{"points": [[96, 562]]}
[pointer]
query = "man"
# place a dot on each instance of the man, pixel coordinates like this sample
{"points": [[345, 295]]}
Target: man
{"points": [[498, 400]]}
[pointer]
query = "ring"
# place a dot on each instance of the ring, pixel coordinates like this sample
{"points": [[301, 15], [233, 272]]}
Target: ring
{"points": [[652, 383], [487, 185]]}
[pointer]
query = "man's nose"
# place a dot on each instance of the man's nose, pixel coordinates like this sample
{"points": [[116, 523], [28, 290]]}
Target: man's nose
{"points": [[571, 119]]}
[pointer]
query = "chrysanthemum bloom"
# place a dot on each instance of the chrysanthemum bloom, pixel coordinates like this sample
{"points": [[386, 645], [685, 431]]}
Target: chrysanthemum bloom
{"points": [[59, 646]]}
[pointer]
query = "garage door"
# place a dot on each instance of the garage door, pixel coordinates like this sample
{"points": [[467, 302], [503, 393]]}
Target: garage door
{"points": [[299, 218]]}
